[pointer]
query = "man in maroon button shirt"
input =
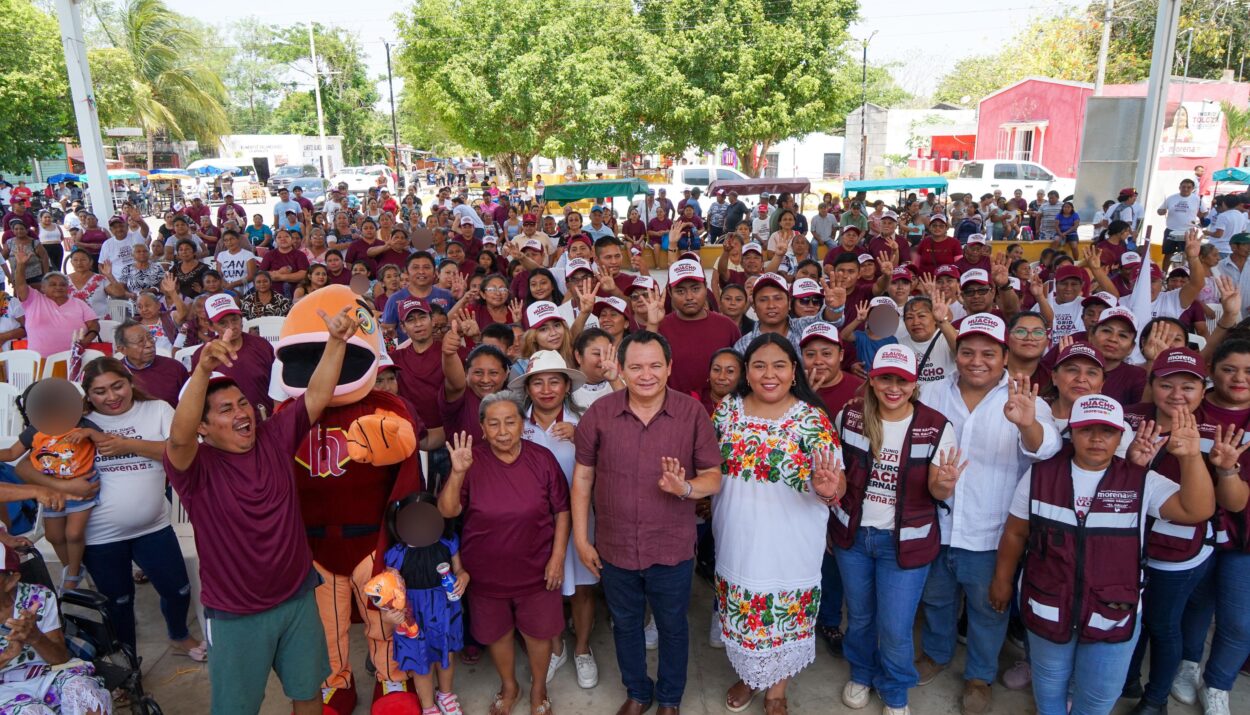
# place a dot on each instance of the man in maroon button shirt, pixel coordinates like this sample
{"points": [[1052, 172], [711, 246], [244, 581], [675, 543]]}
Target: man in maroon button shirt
{"points": [[647, 454], [159, 376], [692, 330]]}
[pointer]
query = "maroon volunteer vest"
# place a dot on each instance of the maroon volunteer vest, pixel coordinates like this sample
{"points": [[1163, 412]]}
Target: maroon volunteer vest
{"points": [[1232, 529], [917, 537], [1165, 540], [1083, 575]]}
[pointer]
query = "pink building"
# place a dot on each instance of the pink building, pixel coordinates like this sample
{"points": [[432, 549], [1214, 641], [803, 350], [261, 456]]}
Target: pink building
{"points": [[1040, 120]]}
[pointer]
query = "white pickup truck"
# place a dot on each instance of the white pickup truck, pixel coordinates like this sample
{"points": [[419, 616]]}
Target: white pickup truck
{"points": [[691, 176], [984, 177]]}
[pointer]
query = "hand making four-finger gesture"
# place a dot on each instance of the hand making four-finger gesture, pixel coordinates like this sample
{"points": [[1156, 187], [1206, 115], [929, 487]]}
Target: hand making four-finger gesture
{"points": [[673, 478], [828, 476], [1021, 407], [1227, 448]]}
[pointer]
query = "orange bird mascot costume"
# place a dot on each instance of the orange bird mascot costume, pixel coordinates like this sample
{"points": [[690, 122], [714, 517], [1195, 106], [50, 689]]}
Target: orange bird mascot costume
{"points": [[361, 455]]}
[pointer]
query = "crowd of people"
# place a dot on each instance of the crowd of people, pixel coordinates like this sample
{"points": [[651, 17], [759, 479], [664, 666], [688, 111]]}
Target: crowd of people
{"points": [[874, 413]]}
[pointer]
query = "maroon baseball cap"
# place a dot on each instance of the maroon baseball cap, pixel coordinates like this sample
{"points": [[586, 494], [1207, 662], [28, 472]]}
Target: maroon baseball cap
{"points": [[947, 270], [1068, 271], [1080, 350], [407, 307], [529, 218], [1176, 360]]}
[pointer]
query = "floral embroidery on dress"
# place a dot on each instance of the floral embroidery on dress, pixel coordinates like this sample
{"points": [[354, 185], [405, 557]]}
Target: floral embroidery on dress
{"points": [[754, 449], [766, 620]]}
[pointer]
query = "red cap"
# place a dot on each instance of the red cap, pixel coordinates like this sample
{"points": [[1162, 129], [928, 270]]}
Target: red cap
{"points": [[529, 218], [1128, 191], [411, 305], [1080, 350], [1069, 271], [902, 273], [947, 270]]}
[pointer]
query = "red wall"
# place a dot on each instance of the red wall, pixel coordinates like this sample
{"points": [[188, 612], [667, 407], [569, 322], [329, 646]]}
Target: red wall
{"points": [[1063, 106]]}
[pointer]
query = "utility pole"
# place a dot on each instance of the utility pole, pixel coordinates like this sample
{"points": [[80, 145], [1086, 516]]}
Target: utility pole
{"points": [[390, 82], [1103, 47], [84, 108], [1166, 21], [1185, 82], [321, 120], [863, 113]]}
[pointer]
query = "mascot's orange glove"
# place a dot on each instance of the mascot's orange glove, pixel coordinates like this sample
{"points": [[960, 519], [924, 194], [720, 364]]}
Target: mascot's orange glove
{"points": [[381, 439]]}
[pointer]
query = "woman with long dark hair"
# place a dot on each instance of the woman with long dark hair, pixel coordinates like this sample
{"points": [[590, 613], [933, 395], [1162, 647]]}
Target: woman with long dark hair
{"points": [[783, 468], [901, 459]]}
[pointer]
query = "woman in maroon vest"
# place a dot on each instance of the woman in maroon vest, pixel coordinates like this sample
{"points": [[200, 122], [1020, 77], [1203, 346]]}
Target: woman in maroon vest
{"points": [[1228, 407], [1178, 555], [1082, 515], [901, 460]]}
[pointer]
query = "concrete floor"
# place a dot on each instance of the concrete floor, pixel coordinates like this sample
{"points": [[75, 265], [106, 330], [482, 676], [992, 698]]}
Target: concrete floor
{"points": [[181, 686]]}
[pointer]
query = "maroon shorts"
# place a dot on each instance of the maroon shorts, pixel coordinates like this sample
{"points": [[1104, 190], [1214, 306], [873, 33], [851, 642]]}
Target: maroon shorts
{"points": [[538, 615]]}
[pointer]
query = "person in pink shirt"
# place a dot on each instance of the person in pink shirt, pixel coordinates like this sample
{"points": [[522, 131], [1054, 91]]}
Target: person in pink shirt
{"points": [[52, 316]]}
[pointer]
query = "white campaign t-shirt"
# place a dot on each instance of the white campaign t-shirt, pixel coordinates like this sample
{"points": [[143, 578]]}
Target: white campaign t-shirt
{"points": [[882, 488], [1182, 212], [1084, 485], [132, 488], [1067, 319], [234, 265], [941, 360], [119, 252]]}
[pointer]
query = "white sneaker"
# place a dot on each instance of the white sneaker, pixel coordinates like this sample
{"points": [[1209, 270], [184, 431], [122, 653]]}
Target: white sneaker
{"points": [[1185, 684], [557, 661], [714, 636], [887, 710], [587, 670], [1214, 701], [651, 634], [854, 695]]}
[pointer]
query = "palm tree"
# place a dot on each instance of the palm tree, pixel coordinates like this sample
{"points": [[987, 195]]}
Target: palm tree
{"points": [[1237, 122], [174, 89]]}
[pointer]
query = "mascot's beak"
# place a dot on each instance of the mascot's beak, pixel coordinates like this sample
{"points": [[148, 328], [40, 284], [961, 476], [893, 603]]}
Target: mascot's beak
{"points": [[301, 352]]}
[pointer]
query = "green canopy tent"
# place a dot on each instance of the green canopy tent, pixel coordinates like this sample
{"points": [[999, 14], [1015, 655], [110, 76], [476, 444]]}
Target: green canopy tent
{"points": [[937, 183], [580, 190]]}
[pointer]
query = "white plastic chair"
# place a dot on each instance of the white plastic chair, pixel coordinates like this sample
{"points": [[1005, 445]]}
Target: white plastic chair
{"points": [[108, 328], [184, 355], [11, 423], [164, 351], [1197, 341], [119, 310], [21, 367], [52, 361], [269, 327]]}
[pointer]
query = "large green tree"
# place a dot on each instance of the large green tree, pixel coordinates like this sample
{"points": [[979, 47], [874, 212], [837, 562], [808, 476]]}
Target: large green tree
{"points": [[34, 91], [172, 89]]}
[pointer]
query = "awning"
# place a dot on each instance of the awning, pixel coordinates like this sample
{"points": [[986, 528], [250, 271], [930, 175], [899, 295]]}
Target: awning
{"points": [[752, 187], [918, 182], [1232, 173], [579, 190]]}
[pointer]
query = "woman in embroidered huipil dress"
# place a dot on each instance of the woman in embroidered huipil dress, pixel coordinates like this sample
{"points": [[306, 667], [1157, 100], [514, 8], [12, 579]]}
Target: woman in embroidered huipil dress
{"points": [[782, 468]]}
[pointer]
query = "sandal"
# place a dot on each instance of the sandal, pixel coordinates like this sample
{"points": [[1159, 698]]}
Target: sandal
{"points": [[544, 708], [497, 705], [199, 654], [775, 706], [471, 655], [739, 697]]}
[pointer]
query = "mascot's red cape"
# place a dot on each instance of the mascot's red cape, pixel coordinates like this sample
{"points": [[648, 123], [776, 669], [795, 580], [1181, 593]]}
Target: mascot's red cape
{"points": [[359, 456]]}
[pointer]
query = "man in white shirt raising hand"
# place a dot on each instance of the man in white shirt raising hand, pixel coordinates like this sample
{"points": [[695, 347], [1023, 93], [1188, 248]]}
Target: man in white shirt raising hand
{"points": [[976, 399]]}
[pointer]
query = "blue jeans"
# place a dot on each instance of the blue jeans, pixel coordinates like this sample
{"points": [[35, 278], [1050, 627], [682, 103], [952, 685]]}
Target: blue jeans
{"points": [[830, 613], [161, 559], [1165, 628], [667, 590], [882, 600], [1230, 646], [1094, 670], [969, 572]]}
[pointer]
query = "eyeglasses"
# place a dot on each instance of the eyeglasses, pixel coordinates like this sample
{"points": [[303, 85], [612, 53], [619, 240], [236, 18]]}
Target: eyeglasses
{"points": [[1027, 333], [496, 289], [813, 300], [976, 291]]}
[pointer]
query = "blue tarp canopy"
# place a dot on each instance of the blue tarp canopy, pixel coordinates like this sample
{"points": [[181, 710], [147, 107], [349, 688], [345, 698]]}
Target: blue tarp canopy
{"points": [[1241, 176], [61, 178], [919, 182]]}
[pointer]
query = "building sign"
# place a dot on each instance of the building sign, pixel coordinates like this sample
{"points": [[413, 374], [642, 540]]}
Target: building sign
{"points": [[1192, 129]]}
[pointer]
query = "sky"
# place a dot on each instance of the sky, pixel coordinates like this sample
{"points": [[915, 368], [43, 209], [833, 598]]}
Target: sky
{"points": [[923, 37]]}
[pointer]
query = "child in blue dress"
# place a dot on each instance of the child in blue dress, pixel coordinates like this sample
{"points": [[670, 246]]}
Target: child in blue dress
{"points": [[423, 540]]}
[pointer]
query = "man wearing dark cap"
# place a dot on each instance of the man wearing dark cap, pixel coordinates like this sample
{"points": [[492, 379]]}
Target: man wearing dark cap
{"points": [[118, 250]]}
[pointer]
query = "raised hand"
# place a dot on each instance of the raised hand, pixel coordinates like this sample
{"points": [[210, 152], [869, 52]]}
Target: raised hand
{"points": [[452, 341], [1065, 342], [835, 294], [1161, 337], [516, 309], [673, 477], [342, 325], [1230, 297], [585, 299], [1227, 448], [1093, 258], [106, 269], [611, 371], [941, 311], [606, 284], [998, 273], [1036, 288], [828, 477], [169, 284], [458, 285], [218, 353], [461, 452], [1184, 440], [1193, 243], [1021, 407], [949, 469]]}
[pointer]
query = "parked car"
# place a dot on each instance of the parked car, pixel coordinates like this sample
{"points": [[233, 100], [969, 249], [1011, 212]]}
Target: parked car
{"points": [[690, 176], [361, 179], [984, 177], [314, 188], [281, 179]]}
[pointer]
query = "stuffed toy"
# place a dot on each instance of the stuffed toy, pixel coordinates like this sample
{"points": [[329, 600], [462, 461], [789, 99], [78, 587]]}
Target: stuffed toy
{"points": [[361, 455]]}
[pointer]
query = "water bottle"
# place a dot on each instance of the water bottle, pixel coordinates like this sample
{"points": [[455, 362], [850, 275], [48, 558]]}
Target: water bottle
{"points": [[449, 581], [1026, 233]]}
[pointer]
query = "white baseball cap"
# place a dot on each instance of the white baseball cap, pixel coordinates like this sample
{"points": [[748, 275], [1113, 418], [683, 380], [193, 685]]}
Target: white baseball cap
{"points": [[220, 305], [1118, 312], [541, 311], [752, 246], [884, 301], [987, 324], [975, 275], [685, 270], [772, 279], [575, 265], [804, 287], [1130, 259], [642, 283], [895, 359], [1096, 410], [820, 330], [978, 238]]}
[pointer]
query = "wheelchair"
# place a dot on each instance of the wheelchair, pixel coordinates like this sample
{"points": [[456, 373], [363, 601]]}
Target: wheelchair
{"points": [[90, 636]]}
